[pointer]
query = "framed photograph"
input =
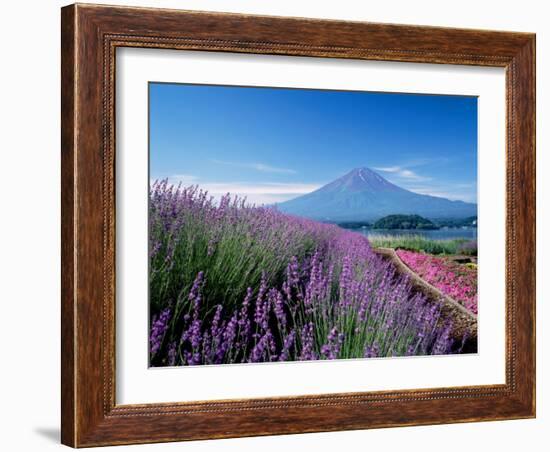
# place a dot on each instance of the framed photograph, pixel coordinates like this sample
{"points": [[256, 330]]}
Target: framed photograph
{"points": [[281, 225]]}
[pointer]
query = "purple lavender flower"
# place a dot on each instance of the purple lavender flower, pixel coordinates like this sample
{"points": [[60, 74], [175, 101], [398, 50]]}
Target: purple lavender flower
{"points": [[215, 327], [276, 300], [443, 343], [195, 295], [158, 330], [172, 353], [275, 283], [261, 349], [372, 351], [244, 321], [262, 305], [195, 335], [288, 343], [307, 340], [334, 342]]}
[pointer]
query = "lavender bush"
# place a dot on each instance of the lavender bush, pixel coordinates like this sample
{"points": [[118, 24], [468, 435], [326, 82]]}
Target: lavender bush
{"points": [[235, 283]]}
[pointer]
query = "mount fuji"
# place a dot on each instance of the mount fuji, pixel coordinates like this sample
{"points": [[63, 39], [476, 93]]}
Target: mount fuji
{"points": [[364, 195]]}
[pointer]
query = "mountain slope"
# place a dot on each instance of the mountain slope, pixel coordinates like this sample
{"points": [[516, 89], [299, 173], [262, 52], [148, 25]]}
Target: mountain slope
{"points": [[363, 195]]}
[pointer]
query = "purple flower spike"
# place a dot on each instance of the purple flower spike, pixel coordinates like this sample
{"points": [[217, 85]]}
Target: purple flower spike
{"points": [[158, 330], [334, 342], [172, 353], [195, 295], [288, 343], [231, 282], [307, 343]]}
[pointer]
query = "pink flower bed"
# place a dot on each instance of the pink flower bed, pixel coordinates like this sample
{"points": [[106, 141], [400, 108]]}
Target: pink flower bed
{"points": [[457, 281]]}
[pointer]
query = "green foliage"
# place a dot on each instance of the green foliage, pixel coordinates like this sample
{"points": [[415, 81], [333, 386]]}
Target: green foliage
{"points": [[404, 222], [423, 244], [232, 256]]}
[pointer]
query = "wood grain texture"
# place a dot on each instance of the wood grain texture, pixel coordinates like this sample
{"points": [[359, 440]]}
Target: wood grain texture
{"points": [[90, 36], [67, 226]]}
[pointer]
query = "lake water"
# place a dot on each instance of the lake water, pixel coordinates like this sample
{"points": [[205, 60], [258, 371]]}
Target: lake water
{"points": [[436, 234]]}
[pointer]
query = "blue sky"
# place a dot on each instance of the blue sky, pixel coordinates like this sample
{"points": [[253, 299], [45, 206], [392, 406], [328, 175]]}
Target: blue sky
{"points": [[273, 144]]}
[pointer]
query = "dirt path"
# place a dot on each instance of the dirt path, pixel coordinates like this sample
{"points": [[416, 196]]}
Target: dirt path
{"points": [[463, 320]]}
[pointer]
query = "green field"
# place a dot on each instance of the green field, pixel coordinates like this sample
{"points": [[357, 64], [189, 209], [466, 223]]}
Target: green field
{"points": [[423, 244]]}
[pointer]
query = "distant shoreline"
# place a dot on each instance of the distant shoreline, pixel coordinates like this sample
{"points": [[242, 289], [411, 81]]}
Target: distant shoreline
{"points": [[410, 222]]}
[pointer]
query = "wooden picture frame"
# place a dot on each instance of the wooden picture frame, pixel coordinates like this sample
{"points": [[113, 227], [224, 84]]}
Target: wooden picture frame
{"points": [[90, 36]]}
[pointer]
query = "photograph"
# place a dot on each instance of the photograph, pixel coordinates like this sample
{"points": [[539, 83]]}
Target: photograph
{"points": [[291, 224], [277, 225]]}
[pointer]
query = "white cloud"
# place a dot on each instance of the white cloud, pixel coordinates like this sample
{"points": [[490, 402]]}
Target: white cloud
{"points": [[412, 181], [256, 166], [264, 193], [255, 193], [454, 192], [388, 169], [402, 173]]}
